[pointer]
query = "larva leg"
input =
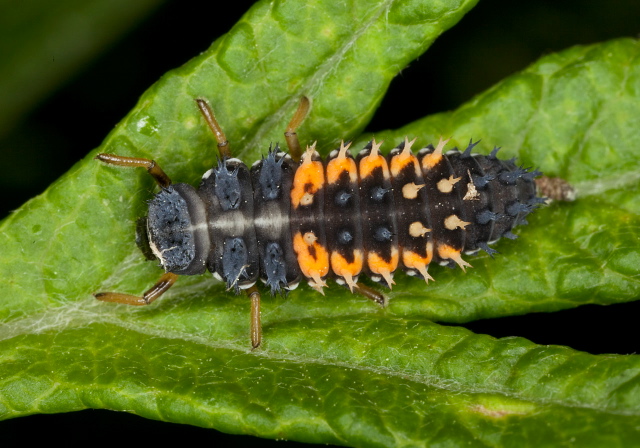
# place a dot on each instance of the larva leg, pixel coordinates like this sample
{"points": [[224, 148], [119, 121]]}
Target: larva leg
{"points": [[290, 134], [256, 325], [165, 282], [225, 152], [150, 165], [223, 144], [370, 294]]}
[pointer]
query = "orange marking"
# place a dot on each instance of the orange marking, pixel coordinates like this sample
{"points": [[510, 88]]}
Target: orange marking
{"points": [[400, 161], [312, 257], [343, 268], [447, 252], [431, 160], [342, 163], [379, 266], [309, 178], [373, 161], [415, 261]]}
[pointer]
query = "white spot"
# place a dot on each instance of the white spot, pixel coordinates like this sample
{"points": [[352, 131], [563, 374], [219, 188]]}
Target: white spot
{"points": [[446, 185], [146, 124], [246, 286], [190, 123], [307, 199], [410, 190], [417, 229], [310, 238], [452, 222], [292, 286]]}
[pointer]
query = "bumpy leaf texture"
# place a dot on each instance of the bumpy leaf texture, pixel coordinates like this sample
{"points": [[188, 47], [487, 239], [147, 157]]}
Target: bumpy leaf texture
{"points": [[338, 369]]}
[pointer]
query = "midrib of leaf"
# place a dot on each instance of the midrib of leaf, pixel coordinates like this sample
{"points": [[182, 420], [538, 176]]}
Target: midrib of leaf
{"points": [[605, 184], [83, 314], [313, 83]]}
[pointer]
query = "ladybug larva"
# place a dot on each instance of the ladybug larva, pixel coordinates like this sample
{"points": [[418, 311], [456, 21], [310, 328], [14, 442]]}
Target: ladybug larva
{"points": [[296, 216]]}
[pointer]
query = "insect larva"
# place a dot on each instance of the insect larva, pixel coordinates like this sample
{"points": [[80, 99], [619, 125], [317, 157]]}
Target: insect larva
{"points": [[295, 216]]}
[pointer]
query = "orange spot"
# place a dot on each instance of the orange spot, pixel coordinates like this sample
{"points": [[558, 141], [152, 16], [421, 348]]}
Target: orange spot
{"points": [[343, 268], [309, 178], [404, 158], [447, 252], [415, 261], [342, 163], [340, 266], [431, 160], [374, 160], [312, 257], [399, 162], [379, 266]]}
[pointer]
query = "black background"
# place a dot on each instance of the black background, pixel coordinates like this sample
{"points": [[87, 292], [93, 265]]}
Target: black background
{"points": [[496, 39]]}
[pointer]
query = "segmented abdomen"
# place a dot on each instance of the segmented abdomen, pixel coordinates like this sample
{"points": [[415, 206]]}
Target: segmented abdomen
{"points": [[343, 217]]}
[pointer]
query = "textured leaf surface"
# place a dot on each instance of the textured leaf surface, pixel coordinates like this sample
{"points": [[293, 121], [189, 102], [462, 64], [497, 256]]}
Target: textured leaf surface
{"points": [[337, 369]]}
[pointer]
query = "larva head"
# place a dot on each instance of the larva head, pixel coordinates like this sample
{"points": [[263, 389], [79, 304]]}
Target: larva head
{"points": [[177, 231]]}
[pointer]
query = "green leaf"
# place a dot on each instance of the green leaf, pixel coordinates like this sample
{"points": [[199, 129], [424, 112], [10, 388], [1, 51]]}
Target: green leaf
{"points": [[337, 369]]}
